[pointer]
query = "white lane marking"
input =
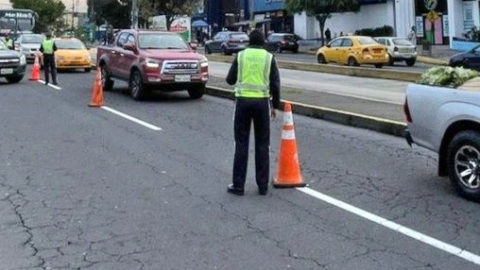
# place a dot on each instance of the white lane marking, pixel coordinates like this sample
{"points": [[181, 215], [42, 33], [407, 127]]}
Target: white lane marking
{"points": [[133, 119], [462, 253], [51, 85]]}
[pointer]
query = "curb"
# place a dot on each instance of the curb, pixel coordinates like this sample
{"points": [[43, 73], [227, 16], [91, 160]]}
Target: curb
{"points": [[407, 76], [385, 126]]}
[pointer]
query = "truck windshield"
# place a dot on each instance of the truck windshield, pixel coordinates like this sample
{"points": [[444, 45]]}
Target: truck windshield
{"points": [[159, 41]]}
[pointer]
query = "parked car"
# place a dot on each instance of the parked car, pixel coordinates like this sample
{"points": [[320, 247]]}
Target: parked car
{"points": [[12, 64], [280, 42], [353, 51], [29, 45], [399, 50], [152, 60], [72, 54], [227, 43], [469, 59]]}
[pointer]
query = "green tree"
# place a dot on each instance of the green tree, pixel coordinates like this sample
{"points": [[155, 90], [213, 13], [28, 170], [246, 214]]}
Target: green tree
{"points": [[172, 9], [111, 12], [321, 9], [48, 12]]}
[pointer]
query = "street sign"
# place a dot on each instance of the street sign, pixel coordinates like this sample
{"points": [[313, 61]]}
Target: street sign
{"points": [[432, 16]]}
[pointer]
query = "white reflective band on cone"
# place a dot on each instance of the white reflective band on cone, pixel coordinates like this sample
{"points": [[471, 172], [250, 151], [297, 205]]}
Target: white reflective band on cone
{"points": [[288, 118], [288, 135]]}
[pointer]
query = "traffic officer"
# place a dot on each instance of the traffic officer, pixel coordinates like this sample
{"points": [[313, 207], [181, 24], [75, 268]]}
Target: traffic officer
{"points": [[48, 49], [9, 42], [257, 79]]}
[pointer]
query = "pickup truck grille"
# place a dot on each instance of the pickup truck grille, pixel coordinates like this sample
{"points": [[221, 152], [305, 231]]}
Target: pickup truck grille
{"points": [[9, 62], [180, 67]]}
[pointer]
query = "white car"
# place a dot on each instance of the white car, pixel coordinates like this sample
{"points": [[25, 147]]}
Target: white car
{"points": [[29, 45], [399, 50]]}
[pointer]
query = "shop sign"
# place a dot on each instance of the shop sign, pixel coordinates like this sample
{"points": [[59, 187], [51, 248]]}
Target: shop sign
{"points": [[432, 16]]}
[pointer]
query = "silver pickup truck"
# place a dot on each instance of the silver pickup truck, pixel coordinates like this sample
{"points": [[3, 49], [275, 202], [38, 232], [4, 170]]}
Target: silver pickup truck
{"points": [[447, 121]]}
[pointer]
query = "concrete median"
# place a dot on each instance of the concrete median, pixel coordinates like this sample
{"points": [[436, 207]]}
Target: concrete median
{"points": [[337, 116], [407, 76]]}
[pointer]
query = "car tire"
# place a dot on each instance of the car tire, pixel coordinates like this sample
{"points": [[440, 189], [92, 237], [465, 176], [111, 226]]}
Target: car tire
{"points": [[278, 49], [197, 92], [14, 79], [463, 156], [378, 66], [224, 51], [207, 50], [87, 70], [352, 62], [390, 60], [410, 62], [321, 59], [107, 83], [136, 86]]}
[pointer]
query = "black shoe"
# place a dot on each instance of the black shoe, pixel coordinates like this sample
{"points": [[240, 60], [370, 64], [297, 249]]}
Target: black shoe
{"points": [[263, 191], [46, 83], [234, 190], [55, 83]]}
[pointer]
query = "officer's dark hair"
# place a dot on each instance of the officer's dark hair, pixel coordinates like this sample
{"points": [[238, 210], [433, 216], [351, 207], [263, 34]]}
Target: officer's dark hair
{"points": [[256, 38]]}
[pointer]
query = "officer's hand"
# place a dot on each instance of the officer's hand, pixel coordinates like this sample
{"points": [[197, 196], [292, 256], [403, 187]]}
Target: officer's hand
{"points": [[273, 113]]}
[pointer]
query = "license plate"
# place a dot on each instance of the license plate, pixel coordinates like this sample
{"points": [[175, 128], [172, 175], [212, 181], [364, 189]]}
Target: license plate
{"points": [[6, 71], [183, 78]]}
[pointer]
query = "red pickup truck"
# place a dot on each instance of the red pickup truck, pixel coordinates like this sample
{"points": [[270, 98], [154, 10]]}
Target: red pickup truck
{"points": [[152, 60]]}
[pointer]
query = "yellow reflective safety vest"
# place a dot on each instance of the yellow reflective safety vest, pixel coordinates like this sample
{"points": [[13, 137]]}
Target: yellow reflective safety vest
{"points": [[47, 46], [9, 43], [253, 77]]}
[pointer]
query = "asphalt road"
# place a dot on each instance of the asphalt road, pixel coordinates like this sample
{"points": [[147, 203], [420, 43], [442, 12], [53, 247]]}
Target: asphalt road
{"points": [[388, 91], [310, 58], [85, 188]]}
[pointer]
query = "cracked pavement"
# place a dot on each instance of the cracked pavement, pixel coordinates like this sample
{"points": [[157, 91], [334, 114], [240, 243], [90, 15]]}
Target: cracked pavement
{"points": [[81, 188]]}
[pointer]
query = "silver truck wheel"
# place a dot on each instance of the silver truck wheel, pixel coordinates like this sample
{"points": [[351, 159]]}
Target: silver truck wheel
{"points": [[464, 164]]}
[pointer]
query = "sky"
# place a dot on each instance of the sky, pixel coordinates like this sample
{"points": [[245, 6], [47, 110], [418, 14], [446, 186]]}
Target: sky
{"points": [[80, 5]]}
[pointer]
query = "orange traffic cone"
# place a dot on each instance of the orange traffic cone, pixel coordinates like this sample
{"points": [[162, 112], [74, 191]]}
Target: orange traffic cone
{"points": [[97, 93], [288, 175], [35, 76]]}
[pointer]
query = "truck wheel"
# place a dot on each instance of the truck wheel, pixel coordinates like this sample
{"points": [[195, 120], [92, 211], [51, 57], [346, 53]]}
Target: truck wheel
{"points": [[14, 79], [196, 93], [107, 83], [463, 155], [137, 89]]}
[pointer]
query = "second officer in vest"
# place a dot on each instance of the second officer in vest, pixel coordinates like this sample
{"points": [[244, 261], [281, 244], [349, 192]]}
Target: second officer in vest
{"points": [[48, 49], [255, 73]]}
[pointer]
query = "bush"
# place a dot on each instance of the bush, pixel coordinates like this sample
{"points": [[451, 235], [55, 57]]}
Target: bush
{"points": [[447, 76], [384, 31]]}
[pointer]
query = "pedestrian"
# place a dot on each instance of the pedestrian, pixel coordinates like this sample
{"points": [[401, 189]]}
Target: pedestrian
{"points": [[412, 36], [257, 93], [328, 35], [9, 42], [48, 49]]}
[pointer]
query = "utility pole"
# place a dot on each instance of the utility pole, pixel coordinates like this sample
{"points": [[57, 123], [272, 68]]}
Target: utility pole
{"points": [[73, 13], [134, 16]]}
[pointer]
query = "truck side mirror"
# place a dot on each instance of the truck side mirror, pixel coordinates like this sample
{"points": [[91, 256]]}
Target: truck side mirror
{"points": [[130, 47], [194, 46]]}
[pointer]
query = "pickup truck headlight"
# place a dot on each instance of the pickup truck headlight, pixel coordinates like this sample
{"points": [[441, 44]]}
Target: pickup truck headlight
{"points": [[151, 63], [203, 63], [23, 60]]}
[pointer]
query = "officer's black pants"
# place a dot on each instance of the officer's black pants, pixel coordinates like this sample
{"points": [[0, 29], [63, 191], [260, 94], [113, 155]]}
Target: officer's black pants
{"points": [[49, 65], [246, 111]]}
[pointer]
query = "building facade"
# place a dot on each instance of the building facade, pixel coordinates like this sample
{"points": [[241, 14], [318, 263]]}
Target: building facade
{"points": [[398, 14]]}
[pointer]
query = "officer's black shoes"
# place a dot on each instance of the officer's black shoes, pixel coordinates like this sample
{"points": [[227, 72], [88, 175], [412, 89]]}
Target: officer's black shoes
{"points": [[263, 191], [55, 83], [46, 83], [234, 190]]}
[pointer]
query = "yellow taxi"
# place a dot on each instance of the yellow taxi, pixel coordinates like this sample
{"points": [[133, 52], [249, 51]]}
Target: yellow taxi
{"points": [[72, 54], [354, 51]]}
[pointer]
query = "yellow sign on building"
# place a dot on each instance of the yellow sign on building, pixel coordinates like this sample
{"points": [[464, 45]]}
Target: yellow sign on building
{"points": [[432, 16]]}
